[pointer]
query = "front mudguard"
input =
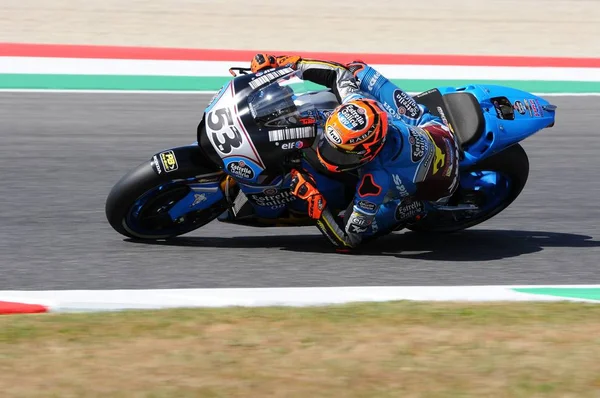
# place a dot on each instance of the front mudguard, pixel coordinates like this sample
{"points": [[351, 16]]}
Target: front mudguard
{"points": [[186, 163]]}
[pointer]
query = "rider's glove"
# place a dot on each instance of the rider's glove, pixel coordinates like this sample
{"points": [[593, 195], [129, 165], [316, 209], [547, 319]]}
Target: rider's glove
{"points": [[303, 186], [263, 61], [266, 61], [355, 67]]}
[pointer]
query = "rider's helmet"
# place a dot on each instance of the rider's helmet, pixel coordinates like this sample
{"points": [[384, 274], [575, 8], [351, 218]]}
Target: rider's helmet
{"points": [[354, 134]]}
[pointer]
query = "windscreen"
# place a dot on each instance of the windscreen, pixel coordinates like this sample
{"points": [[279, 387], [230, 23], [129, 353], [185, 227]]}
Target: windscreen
{"points": [[278, 104]]}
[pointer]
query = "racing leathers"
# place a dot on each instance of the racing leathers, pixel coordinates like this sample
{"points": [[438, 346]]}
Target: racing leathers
{"points": [[419, 160], [416, 164]]}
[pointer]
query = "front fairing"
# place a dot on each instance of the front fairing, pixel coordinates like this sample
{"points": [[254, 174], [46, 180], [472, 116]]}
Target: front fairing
{"points": [[257, 121]]}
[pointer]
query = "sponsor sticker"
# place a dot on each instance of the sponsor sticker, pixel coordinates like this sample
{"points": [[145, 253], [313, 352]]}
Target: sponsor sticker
{"points": [[389, 109], [270, 191], [358, 223], [519, 107], [272, 197], [269, 76], [353, 117], [240, 169], [294, 133], [406, 105], [333, 135], [292, 145], [451, 152], [419, 145], [400, 186], [198, 198], [536, 109], [359, 139], [373, 81], [366, 205], [408, 209], [168, 161], [442, 115], [156, 165]]}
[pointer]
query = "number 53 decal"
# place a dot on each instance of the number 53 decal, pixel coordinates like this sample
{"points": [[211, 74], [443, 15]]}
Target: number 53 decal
{"points": [[225, 135]]}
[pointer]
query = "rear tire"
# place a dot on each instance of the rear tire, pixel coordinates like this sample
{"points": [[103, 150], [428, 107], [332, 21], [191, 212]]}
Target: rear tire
{"points": [[512, 162]]}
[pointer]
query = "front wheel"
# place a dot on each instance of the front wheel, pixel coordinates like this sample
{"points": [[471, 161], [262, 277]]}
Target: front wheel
{"points": [[492, 185], [150, 206]]}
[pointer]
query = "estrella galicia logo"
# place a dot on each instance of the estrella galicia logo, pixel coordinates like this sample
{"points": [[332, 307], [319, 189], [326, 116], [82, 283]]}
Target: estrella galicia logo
{"points": [[408, 209], [406, 105], [272, 197], [418, 145], [242, 168], [353, 117]]}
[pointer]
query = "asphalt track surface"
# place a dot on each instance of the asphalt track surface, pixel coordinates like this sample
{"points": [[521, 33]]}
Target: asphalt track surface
{"points": [[60, 153]]}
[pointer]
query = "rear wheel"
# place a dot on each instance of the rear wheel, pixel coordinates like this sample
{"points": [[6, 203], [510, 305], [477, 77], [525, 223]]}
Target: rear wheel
{"points": [[138, 206], [492, 185]]}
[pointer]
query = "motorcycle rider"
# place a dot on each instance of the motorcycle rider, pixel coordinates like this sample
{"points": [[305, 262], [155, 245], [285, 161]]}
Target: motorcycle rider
{"points": [[403, 154]]}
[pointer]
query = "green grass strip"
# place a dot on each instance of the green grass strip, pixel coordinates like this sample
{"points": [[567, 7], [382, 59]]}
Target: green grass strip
{"points": [[580, 293], [196, 83]]}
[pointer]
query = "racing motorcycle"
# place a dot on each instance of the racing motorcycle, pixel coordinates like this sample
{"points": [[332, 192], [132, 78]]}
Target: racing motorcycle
{"points": [[260, 126]]}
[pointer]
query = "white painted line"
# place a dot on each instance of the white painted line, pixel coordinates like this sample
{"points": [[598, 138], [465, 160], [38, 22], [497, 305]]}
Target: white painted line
{"points": [[75, 66], [209, 92], [567, 94], [103, 300]]}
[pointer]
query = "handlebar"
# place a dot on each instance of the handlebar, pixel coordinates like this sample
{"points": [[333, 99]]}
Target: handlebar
{"points": [[242, 71]]}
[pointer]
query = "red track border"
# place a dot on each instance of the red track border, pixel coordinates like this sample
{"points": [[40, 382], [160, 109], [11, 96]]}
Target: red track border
{"points": [[11, 308], [157, 53]]}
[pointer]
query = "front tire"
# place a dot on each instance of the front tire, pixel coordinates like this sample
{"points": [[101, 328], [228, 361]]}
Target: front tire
{"points": [[136, 206]]}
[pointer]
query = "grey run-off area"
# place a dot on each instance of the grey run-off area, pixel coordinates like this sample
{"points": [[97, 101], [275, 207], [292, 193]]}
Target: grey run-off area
{"points": [[508, 27], [60, 153]]}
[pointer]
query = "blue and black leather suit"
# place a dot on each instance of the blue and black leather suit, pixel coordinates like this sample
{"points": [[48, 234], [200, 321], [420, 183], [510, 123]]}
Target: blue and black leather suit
{"points": [[419, 160]]}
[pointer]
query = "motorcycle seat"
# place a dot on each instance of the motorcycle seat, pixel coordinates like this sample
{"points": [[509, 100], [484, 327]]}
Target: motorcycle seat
{"points": [[465, 116]]}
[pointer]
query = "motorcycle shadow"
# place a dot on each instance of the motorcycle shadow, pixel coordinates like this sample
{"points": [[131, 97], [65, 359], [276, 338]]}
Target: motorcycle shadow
{"points": [[469, 245]]}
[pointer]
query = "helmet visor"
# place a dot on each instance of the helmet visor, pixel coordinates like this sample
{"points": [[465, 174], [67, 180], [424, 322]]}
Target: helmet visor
{"points": [[337, 157]]}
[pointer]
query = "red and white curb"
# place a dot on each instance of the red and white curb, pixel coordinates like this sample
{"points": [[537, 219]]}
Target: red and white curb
{"points": [[7, 308], [12, 302]]}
